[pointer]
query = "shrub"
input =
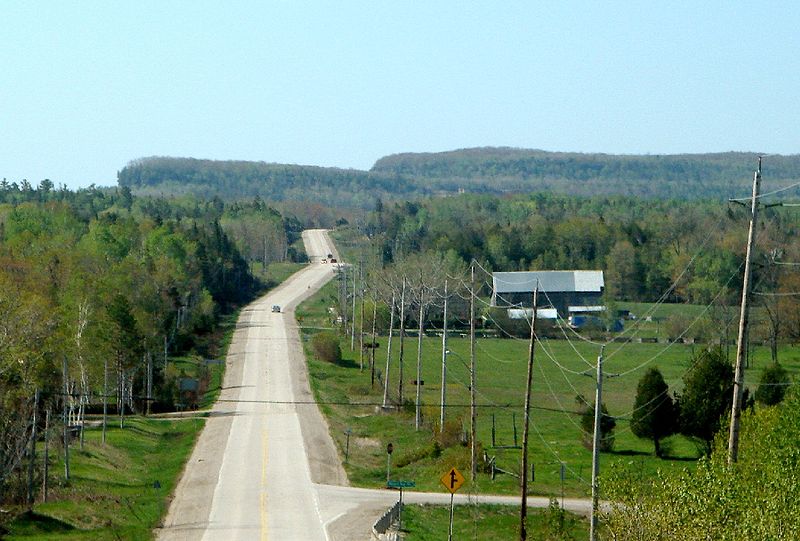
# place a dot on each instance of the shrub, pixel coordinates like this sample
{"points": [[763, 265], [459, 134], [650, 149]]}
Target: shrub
{"points": [[326, 347], [607, 425], [773, 384]]}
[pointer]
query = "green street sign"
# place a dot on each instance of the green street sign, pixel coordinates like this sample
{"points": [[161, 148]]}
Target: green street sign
{"points": [[400, 484]]}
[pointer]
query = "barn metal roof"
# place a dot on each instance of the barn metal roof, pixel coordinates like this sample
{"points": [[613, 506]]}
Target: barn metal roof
{"points": [[549, 281]]}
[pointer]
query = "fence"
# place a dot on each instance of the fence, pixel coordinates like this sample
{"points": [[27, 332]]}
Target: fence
{"points": [[379, 529]]}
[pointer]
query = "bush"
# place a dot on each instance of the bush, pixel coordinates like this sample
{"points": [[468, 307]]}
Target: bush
{"points": [[326, 347], [453, 433], [607, 426], [773, 384]]}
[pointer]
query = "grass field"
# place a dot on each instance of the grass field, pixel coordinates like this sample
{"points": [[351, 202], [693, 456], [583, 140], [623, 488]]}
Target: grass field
{"points": [[489, 523], [501, 368], [116, 491]]}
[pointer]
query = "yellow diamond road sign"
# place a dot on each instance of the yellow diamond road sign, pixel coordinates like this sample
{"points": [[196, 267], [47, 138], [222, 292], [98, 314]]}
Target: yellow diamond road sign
{"points": [[452, 480]]}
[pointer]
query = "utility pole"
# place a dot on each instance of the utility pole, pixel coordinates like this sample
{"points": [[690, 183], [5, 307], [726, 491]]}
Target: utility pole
{"points": [[418, 409], [149, 382], [598, 401], [343, 279], [66, 421], [32, 462], [402, 341], [353, 319], [741, 346], [388, 355], [473, 409], [105, 396], [523, 511], [46, 453], [361, 329], [444, 359], [372, 346]]}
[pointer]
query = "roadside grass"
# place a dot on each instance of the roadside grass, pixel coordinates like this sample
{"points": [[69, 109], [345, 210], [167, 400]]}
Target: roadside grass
{"points": [[351, 402], [489, 523], [276, 273], [112, 492]]}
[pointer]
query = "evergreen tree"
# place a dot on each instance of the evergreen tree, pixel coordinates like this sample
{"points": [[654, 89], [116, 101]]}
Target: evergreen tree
{"points": [[654, 411], [707, 396], [772, 386]]}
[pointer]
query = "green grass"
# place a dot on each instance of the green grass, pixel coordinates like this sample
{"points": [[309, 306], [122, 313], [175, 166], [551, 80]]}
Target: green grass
{"points": [[111, 493], [501, 369], [276, 272], [489, 523]]}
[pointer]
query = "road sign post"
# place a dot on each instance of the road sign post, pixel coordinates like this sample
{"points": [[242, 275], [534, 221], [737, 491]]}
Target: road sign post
{"points": [[452, 480], [401, 485], [389, 449]]}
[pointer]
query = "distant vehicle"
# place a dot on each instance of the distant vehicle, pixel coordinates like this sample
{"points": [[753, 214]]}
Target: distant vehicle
{"points": [[276, 308], [330, 256], [333, 260], [324, 261], [587, 322]]}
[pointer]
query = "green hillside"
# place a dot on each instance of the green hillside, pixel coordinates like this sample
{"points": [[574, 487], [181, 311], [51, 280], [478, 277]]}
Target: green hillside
{"points": [[276, 182], [490, 169], [477, 170]]}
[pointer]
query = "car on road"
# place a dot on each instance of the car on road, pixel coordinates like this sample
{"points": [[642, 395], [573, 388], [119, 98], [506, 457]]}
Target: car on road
{"points": [[276, 308]]}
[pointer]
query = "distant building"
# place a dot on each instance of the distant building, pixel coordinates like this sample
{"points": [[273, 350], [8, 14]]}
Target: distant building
{"points": [[568, 292]]}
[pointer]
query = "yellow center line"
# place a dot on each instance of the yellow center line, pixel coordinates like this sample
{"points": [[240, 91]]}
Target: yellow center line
{"points": [[263, 506]]}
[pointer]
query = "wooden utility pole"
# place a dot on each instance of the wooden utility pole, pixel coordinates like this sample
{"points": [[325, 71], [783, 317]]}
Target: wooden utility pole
{"points": [[46, 453], [66, 421], [388, 355], [343, 278], [361, 328], [32, 462], [418, 409], [444, 360], [402, 342], [523, 511], [472, 405], [373, 344], [598, 405], [149, 383], [353, 322], [741, 346], [105, 396]]}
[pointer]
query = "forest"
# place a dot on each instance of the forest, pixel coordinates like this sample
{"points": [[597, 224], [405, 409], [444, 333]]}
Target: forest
{"points": [[97, 286], [494, 171], [270, 181]]}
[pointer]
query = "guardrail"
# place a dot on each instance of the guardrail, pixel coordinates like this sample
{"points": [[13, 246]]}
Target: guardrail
{"points": [[379, 529]]}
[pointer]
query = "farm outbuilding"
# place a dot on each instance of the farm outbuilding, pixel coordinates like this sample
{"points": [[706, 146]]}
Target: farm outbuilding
{"points": [[568, 292]]}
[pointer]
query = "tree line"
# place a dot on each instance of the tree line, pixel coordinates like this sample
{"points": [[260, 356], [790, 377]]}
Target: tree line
{"points": [[495, 171], [678, 251], [105, 284], [504, 170]]}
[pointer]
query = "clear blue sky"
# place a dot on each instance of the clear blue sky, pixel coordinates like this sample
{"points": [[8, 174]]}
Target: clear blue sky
{"points": [[86, 87]]}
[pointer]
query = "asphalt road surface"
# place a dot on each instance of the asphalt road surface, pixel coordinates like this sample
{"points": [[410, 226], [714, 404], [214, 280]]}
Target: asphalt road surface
{"points": [[265, 467]]}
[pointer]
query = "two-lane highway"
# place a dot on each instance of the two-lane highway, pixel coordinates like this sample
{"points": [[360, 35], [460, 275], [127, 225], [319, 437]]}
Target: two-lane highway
{"points": [[249, 476], [265, 466]]}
